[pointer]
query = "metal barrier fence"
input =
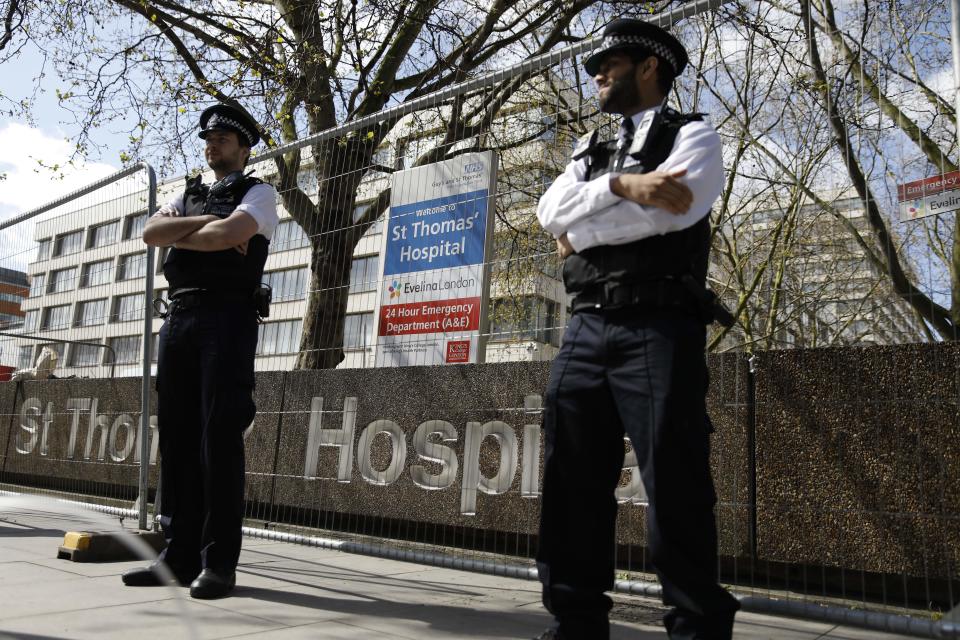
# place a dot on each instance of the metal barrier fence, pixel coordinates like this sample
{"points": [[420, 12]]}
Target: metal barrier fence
{"points": [[73, 274], [815, 244]]}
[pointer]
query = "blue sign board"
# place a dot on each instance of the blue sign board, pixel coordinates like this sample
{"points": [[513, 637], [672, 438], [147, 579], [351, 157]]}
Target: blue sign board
{"points": [[437, 234]]}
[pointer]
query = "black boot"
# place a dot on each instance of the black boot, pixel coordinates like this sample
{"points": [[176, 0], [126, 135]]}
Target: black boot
{"points": [[212, 584], [152, 576]]}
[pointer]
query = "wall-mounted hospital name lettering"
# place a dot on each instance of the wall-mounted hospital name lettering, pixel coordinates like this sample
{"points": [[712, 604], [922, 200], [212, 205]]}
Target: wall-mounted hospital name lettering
{"points": [[429, 455], [80, 423]]}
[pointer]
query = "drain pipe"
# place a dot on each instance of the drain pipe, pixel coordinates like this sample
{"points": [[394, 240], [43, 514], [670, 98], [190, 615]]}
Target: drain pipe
{"points": [[874, 621]]}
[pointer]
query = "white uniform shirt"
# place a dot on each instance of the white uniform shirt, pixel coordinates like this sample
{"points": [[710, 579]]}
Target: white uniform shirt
{"points": [[592, 215], [260, 203]]}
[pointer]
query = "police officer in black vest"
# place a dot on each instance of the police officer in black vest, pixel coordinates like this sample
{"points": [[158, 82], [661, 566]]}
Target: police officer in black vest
{"points": [[219, 236], [630, 216]]}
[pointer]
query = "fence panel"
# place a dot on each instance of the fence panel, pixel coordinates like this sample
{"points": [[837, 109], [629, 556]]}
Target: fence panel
{"points": [[820, 239], [74, 273]]}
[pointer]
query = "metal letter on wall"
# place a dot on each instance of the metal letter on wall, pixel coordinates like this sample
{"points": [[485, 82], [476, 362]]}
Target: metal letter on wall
{"points": [[398, 453], [530, 469], [341, 438], [472, 478], [435, 452], [28, 425], [633, 492], [154, 442], [75, 406], [125, 422], [97, 422]]}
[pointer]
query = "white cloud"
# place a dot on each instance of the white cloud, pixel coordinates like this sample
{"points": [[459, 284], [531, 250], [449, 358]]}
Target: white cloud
{"points": [[28, 185], [941, 82]]}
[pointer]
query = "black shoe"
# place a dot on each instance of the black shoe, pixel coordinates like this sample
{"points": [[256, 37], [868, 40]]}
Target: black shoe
{"points": [[210, 584], [549, 634], [152, 576]]}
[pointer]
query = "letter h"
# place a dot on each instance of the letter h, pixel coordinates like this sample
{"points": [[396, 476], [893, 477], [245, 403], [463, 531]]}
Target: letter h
{"points": [[341, 438]]}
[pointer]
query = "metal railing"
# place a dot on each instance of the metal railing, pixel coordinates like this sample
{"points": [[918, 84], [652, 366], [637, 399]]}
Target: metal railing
{"points": [[800, 256], [68, 246]]}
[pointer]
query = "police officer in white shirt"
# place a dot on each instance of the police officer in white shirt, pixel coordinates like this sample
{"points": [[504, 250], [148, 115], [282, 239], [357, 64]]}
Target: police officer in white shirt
{"points": [[218, 236], [631, 220]]}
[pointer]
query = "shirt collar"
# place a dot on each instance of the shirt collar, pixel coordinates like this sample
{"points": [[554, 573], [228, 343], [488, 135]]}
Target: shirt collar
{"points": [[642, 120]]}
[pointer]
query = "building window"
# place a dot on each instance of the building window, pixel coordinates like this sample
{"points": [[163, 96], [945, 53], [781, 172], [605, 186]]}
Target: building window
{"points": [[67, 243], [132, 265], [30, 320], [10, 320], [56, 317], [289, 284], [126, 349], [526, 318], [95, 273], [376, 228], [36, 284], [91, 313], [279, 337], [155, 350], [62, 280], [43, 249], [128, 307], [25, 357], [133, 225], [361, 210], [364, 274], [288, 235], [84, 355], [102, 235], [357, 330]]}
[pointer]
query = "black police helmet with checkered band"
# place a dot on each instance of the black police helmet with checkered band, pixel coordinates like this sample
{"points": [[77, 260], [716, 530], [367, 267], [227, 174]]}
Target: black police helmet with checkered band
{"points": [[223, 117], [627, 34]]}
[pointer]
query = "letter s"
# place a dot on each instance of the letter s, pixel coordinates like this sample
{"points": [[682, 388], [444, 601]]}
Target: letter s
{"points": [[29, 425], [435, 452]]}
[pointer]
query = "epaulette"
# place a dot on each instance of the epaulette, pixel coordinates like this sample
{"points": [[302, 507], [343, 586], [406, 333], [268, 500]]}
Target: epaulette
{"points": [[667, 122], [584, 144], [672, 116]]}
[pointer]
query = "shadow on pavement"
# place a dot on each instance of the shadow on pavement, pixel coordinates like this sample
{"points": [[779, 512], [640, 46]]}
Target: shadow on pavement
{"points": [[450, 620]]}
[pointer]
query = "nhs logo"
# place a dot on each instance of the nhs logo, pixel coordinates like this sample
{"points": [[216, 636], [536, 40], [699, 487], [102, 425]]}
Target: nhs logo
{"points": [[473, 167]]}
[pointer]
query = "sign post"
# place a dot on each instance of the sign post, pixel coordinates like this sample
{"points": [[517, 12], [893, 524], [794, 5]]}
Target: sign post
{"points": [[433, 296]]}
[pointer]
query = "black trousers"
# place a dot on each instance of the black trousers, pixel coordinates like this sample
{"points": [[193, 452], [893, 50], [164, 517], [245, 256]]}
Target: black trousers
{"points": [[205, 391], [643, 374]]}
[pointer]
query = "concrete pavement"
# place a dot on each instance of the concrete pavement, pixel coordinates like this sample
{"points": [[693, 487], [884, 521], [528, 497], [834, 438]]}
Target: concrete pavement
{"points": [[287, 591]]}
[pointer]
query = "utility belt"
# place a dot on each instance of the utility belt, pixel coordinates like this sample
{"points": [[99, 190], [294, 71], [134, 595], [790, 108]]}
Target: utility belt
{"points": [[682, 293], [186, 298]]}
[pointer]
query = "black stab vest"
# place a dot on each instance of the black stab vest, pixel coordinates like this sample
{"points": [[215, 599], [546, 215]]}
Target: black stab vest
{"points": [[671, 255], [227, 271]]}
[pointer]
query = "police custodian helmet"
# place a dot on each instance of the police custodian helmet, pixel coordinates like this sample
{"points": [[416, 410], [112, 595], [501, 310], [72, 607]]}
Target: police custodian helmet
{"points": [[626, 34], [223, 117]]}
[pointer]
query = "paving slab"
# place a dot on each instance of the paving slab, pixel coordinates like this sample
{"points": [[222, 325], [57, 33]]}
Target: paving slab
{"points": [[287, 591]]}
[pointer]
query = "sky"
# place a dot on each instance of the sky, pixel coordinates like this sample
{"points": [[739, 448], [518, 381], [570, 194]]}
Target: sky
{"points": [[27, 185]]}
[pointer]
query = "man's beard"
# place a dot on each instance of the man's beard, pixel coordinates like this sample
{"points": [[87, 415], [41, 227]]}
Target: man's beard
{"points": [[621, 95], [221, 163]]}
